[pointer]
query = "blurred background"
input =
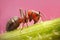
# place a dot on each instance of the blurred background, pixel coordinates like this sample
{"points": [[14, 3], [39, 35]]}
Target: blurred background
{"points": [[10, 8]]}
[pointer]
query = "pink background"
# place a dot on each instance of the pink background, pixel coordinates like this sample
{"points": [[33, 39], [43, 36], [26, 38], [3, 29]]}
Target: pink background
{"points": [[9, 8]]}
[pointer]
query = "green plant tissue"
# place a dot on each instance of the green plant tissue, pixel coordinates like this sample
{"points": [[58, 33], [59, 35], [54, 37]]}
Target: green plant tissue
{"points": [[48, 30]]}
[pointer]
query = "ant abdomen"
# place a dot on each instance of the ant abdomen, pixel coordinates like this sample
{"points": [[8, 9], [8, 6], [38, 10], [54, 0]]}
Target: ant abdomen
{"points": [[12, 24]]}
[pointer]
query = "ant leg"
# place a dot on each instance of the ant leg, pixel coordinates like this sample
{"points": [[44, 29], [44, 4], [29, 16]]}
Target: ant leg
{"points": [[35, 22], [40, 20], [27, 24], [22, 26]]}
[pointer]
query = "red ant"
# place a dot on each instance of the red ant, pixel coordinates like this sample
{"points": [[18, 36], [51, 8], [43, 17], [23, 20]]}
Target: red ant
{"points": [[30, 15]]}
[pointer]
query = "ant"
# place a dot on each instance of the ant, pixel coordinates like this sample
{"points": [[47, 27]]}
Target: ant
{"points": [[30, 15]]}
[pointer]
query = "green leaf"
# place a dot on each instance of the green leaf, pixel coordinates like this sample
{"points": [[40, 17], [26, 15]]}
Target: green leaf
{"points": [[48, 30]]}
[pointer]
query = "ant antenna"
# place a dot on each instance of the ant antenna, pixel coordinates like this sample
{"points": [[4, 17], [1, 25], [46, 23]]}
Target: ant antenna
{"points": [[43, 15], [26, 14], [21, 13]]}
